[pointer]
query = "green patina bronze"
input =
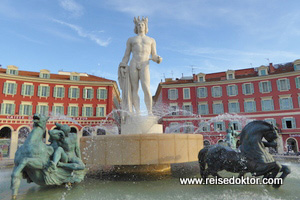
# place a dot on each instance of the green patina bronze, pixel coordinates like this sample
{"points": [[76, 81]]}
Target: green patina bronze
{"points": [[231, 137], [55, 164]]}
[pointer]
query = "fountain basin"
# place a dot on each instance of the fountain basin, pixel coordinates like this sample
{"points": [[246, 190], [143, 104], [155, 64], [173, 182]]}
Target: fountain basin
{"points": [[140, 149]]}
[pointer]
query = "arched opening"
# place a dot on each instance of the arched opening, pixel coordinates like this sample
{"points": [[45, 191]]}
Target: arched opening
{"points": [[206, 143], [101, 131], [73, 130], [87, 131], [292, 145], [238, 143], [22, 135], [220, 141], [5, 137]]}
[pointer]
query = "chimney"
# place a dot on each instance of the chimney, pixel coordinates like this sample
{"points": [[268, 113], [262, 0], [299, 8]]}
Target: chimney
{"points": [[195, 78], [271, 68]]}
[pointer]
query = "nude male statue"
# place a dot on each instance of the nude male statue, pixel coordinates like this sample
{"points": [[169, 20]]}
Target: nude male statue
{"points": [[141, 47]]}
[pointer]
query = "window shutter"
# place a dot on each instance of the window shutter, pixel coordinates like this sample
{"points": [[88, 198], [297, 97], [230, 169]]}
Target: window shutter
{"points": [[69, 111], [288, 84], [84, 93], [222, 108], [92, 94], [245, 106], [272, 104], [48, 91], [261, 87], [98, 112], [21, 111], [213, 92], [23, 89], [238, 107], [252, 88], [293, 123], [297, 82], [283, 123], [15, 88], [55, 92], [31, 90], [280, 103], [244, 88], [223, 126], [63, 92], [30, 110], [77, 92], [254, 106], [228, 90], [235, 90], [3, 108], [38, 109], [98, 94], [191, 106], [105, 94], [291, 103], [198, 92], [83, 111], [215, 126], [269, 86], [5, 88], [39, 90], [278, 85], [70, 92]]}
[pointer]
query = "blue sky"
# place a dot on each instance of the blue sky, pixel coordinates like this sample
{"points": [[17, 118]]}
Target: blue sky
{"points": [[90, 36]]}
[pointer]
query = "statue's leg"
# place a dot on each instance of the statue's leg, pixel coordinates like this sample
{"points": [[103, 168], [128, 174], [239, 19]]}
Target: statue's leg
{"points": [[75, 164], [134, 82], [145, 82]]}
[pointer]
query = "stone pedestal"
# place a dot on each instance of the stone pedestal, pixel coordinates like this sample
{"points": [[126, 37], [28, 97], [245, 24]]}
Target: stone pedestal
{"points": [[140, 149], [141, 125]]}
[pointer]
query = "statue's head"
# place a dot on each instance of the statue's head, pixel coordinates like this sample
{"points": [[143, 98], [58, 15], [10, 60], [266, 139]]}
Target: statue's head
{"points": [[140, 24], [65, 128], [40, 120]]}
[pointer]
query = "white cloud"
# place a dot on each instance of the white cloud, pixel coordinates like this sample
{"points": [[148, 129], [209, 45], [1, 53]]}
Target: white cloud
{"points": [[85, 34], [75, 9]]}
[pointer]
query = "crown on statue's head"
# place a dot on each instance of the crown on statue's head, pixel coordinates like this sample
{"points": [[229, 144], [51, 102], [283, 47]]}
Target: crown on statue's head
{"points": [[138, 20]]}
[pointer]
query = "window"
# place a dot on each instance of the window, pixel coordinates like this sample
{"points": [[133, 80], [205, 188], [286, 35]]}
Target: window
{"points": [[250, 106], [203, 109], [73, 93], [42, 109], [267, 105], [73, 110], [10, 88], [265, 87], [271, 121], [59, 92], [173, 109], [219, 126], [101, 93], [44, 75], [172, 94], [25, 109], [87, 111], [187, 109], [188, 127], [263, 72], [232, 90], [74, 78], [100, 111], [201, 92], [283, 84], [248, 88], [43, 91], [230, 76], [174, 127], [237, 126], [216, 91], [218, 108], [286, 103], [88, 93], [58, 110], [288, 123], [186, 93], [8, 109], [204, 127], [201, 79], [233, 107], [27, 90]]}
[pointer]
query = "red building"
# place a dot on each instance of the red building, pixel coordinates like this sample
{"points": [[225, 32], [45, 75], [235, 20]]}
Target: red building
{"points": [[208, 103], [80, 100]]}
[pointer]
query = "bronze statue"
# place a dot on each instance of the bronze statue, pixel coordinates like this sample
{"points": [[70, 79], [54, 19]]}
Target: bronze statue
{"points": [[33, 160], [253, 158], [231, 137]]}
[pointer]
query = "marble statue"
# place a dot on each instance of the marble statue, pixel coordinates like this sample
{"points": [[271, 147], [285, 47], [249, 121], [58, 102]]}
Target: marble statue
{"points": [[34, 159], [141, 47]]}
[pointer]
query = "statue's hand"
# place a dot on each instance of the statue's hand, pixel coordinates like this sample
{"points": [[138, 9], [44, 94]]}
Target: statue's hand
{"points": [[158, 59]]}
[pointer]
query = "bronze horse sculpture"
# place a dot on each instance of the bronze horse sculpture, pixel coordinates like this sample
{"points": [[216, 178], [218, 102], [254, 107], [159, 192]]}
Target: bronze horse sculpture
{"points": [[253, 156], [34, 158]]}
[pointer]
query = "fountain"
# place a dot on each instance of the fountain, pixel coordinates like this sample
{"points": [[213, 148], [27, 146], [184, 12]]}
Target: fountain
{"points": [[141, 147]]}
